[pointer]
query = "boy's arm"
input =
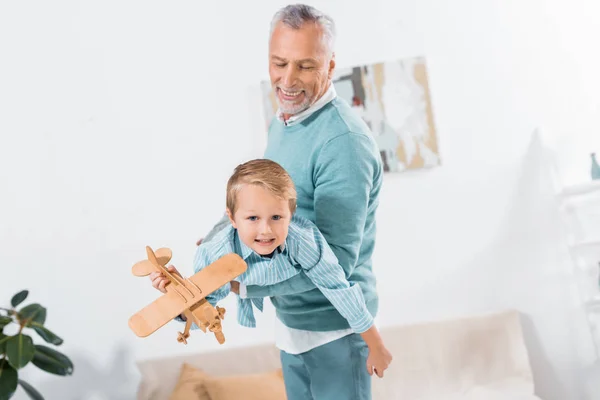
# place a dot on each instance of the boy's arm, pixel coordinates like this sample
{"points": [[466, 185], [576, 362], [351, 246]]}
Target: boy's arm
{"points": [[297, 284], [322, 267], [202, 259], [346, 170]]}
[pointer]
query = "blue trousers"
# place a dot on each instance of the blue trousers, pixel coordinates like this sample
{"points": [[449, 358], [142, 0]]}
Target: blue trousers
{"points": [[333, 371]]}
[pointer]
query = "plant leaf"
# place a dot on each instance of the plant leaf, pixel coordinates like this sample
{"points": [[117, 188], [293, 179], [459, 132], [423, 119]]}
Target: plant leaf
{"points": [[5, 321], [52, 361], [19, 298], [3, 340], [34, 394], [8, 380], [33, 313], [47, 334], [20, 350]]}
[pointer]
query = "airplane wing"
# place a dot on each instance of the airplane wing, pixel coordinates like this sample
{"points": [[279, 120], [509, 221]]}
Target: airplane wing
{"points": [[164, 309], [145, 267], [219, 273], [158, 313]]}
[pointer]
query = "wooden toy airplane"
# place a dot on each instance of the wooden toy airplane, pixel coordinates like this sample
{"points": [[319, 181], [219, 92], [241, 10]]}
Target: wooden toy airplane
{"points": [[185, 296]]}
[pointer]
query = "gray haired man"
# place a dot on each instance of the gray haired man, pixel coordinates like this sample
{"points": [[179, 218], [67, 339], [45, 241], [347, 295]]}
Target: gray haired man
{"points": [[335, 164]]}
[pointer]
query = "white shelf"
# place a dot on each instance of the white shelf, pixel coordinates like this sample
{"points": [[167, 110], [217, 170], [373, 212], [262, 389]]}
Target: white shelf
{"points": [[580, 189], [585, 252]]}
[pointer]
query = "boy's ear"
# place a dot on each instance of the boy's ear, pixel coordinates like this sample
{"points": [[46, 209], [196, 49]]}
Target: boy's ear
{"points": [[230, 215]]}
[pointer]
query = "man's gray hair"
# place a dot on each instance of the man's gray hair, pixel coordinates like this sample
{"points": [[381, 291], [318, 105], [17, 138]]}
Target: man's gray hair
{"points": [[296, 15]]}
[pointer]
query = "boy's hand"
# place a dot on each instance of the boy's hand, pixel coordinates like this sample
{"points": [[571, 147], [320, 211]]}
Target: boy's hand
{"points": [[159, 280], [379, 357], [379, 360]]}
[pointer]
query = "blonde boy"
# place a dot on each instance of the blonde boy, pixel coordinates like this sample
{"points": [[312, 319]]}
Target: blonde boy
{"points": [[278, 245]]}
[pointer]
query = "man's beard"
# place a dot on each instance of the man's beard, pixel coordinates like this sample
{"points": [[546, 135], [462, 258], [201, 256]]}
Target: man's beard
{"points": [[293, 108]]}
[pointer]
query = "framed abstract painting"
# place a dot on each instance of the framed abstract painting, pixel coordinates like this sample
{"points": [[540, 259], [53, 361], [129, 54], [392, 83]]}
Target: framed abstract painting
{"points": [[394, 99]]}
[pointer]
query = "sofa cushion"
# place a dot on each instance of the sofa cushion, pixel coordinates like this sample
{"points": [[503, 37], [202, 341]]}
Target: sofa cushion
{"points": [[196, 384], [160, 375], [458, 358], [477, 357]]}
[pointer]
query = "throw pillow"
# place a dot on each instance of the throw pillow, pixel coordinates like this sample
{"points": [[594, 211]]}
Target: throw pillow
{"points": [[189, 385]]}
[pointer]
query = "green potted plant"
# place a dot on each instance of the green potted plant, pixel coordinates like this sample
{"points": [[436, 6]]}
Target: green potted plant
{"points": [[17, 349]]}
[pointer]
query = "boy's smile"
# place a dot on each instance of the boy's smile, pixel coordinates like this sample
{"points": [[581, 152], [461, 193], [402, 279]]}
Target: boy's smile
{"points": [[265, 242], [261, 219]]}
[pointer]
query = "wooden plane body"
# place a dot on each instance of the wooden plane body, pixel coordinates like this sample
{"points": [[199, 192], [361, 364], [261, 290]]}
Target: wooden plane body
{"points": [[185, 296]]}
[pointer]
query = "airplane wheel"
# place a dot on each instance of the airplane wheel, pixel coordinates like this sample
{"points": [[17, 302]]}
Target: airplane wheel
{"points": [[181, 338]]}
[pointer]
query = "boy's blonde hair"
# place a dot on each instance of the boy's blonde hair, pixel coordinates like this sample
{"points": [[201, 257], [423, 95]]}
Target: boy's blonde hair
{"points": [[265, 173]]}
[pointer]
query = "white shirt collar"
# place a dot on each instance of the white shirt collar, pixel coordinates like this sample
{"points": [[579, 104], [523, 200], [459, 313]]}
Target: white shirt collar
{"points": [[329, 95]]}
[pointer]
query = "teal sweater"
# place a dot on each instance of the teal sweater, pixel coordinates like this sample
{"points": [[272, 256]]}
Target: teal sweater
{"points": [[337, 169]]}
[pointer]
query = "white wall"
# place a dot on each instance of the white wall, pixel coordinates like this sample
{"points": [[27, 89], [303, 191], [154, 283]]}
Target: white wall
{"points": [[121, 121]]}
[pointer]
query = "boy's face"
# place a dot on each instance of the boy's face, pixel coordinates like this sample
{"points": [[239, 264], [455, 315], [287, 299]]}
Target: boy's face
{"points": [[262, 220]]}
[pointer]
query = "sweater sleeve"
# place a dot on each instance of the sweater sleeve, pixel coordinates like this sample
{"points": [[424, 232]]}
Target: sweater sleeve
{"points": [[346, 169], [218, 227]]}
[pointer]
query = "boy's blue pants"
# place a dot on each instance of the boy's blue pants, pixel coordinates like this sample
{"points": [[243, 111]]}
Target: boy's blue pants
{"points": [[333, 371]]}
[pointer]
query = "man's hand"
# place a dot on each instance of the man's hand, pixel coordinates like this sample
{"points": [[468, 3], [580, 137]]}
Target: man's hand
{"points": [[235, 287]]}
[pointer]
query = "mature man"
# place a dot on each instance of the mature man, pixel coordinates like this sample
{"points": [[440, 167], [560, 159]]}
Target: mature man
{"points": [[335, 164]]}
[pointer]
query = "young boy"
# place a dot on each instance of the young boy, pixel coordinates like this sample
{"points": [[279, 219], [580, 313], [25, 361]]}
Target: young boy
{"points": [[278, 245]]}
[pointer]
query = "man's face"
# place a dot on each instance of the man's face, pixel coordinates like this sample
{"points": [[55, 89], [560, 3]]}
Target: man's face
{"points": [[262, 220], [299, 66]]}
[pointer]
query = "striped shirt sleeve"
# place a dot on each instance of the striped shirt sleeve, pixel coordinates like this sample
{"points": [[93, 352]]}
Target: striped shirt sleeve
{"points": [[321, 265], [202, 260], [296, 284]]}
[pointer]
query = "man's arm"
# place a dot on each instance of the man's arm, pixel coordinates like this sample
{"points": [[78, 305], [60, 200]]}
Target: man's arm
{"points": [[347, 167], [223, 222], [345, 173]]}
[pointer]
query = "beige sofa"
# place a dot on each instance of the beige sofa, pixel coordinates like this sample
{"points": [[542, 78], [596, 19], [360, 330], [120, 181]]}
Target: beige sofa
{"points": [[479, 357]]}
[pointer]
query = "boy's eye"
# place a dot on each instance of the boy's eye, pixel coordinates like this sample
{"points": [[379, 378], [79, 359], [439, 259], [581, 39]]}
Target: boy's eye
{"points": [[276, 217], [253, 218]]}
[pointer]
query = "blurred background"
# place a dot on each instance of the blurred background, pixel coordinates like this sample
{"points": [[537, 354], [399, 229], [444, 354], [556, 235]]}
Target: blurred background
{"points": [[120, 122]]}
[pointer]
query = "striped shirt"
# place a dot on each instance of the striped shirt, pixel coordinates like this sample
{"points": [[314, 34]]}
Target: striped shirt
{"points": [[306, 251]]}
